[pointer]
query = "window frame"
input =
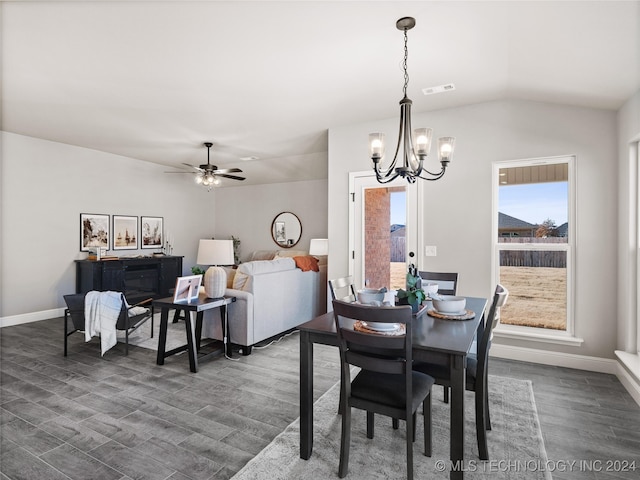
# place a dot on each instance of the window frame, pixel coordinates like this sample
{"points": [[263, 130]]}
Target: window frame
{"points": [[566, 336]]}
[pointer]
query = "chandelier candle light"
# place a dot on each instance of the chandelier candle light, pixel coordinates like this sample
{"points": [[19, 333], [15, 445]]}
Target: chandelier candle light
{"points": [[414, 154], [215, 253]]}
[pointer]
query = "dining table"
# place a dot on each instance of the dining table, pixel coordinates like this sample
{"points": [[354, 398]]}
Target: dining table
{"points": [[443, 340]]}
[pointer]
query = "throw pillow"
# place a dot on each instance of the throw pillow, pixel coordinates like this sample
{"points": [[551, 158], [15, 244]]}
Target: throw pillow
{"points": [[240, 280], [307, 263], [231, 273]]}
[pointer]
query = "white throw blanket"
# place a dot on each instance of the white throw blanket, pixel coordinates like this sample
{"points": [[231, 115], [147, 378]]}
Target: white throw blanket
{"points": [[101, 312]]}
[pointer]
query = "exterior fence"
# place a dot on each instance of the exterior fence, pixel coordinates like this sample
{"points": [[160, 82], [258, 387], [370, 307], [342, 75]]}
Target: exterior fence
{"points": [[398, 249], [508, 258], [533, 258]]}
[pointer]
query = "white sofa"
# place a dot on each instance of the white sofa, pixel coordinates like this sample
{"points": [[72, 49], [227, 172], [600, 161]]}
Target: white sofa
{"points": [[272, 297]]}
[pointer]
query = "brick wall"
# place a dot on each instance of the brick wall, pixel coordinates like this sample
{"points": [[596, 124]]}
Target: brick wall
{"points": [[377, 237]]}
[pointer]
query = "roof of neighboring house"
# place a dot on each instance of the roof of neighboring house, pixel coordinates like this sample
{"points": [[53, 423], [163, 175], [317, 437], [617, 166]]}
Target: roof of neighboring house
{"points": [[507, 221], [399, 231], [563, 230]]}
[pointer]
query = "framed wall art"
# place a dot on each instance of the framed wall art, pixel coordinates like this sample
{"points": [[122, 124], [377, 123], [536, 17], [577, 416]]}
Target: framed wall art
{"points": [[125, 232], [94, 231], [151, 232]]}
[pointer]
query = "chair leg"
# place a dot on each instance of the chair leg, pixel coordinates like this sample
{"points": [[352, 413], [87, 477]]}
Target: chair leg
{"points": [[395, 423], [446, 394], [152, 313], [487, 418], [345, 442], [413, 433], [65, 332], [370, 420], [409, 436], [426, 408], [481, 432]]}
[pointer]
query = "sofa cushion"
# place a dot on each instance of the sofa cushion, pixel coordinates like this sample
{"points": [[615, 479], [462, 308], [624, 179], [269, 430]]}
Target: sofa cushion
{"points": [[257, 267], [306, 263], [263, 255], [267, 266], [290, 253]]}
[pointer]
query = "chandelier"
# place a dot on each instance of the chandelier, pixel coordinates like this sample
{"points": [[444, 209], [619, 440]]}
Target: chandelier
{"points": [[414, 148]]}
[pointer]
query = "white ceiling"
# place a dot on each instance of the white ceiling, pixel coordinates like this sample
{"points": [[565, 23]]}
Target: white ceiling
{"points": [[153, 80]]}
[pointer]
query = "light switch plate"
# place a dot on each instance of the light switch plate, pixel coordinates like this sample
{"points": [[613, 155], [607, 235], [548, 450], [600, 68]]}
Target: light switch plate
{"points": [[430, 251]]}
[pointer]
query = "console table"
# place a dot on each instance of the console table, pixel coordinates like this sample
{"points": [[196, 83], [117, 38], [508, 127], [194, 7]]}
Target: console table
{"points": [[138, 278]]}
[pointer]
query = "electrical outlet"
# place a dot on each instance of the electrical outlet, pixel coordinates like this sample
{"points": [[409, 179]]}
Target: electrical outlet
{"points": [[430, 251]]}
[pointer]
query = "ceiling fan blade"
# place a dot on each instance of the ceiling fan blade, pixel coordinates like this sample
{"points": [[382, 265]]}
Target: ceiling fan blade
{"points": [[227, 170], [190, 173], [233, 177], [193, 166]]}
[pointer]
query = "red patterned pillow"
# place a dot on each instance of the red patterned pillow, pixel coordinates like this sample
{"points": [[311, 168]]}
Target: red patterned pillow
{"points": [[307, 263]]}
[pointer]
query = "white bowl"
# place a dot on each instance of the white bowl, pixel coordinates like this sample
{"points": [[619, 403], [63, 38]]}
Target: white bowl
{"points": [[430, 287], [450, 304], [370, 296]]}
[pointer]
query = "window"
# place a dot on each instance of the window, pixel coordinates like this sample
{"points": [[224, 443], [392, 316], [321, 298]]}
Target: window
{"points": [[534, 239]]}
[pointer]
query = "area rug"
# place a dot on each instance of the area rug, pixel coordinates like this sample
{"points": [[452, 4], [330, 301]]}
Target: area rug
{"points": [[516, 447], [176, 335]]}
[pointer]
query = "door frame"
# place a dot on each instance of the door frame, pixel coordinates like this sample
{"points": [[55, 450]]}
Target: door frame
{"points": [[367, 179]]}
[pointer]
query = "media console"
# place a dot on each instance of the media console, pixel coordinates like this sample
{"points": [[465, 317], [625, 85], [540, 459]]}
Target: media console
{"points": [[138, 278]]}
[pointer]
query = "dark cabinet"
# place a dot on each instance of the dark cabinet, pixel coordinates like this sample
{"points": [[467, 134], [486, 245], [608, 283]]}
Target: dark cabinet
{"points": [[138, 278]]}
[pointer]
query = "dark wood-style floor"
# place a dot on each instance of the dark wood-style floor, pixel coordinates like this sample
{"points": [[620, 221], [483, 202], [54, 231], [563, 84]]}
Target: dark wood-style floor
{"points": [[115, 417]]}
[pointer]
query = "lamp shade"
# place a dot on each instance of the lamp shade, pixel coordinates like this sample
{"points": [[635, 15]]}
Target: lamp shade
{"points": [[215, 252], [319, 246]]}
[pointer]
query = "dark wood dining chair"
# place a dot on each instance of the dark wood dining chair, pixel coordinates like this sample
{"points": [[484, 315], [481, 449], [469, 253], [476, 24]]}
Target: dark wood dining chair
{"points": [[343, 289], [447, 281], [386, 384], [477, 373], [447, 285], [129, 320]]}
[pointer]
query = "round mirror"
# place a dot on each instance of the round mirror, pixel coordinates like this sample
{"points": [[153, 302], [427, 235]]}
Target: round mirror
{"points": [[286, 229]]}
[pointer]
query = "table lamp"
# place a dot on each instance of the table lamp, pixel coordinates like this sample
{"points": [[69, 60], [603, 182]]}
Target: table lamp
{"points": [[215, 253], [319, 247]]}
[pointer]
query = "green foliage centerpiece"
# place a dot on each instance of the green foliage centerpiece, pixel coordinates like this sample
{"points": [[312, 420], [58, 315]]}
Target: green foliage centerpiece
{"points": [[413, 295]]}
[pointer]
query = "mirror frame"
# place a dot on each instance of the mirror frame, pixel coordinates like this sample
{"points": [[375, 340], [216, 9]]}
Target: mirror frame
{"points": [[273, 230]]}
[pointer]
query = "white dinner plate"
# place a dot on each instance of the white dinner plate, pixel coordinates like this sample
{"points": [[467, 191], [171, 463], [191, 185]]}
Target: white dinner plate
{"points": [[382, 327]]}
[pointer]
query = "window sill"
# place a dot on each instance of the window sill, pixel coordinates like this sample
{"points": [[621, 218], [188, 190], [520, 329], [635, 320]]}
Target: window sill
{"points": [[536, 335], [631, 361]]}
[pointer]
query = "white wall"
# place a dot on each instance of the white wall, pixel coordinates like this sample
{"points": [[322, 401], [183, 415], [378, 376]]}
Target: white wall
{"points": [[456, 214], [246, 212], [45, 187], [628, 131]]}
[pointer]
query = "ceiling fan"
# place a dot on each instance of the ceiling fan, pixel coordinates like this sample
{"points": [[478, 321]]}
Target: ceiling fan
{"points": [[208, 174]]}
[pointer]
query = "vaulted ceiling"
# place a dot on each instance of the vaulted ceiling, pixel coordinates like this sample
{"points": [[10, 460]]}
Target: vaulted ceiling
{"points": [[153, 80]]}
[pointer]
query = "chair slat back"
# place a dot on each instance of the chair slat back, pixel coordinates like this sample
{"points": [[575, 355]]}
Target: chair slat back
{"points": [[493, 318], [343, 289], [371, 351], [447, 281]]}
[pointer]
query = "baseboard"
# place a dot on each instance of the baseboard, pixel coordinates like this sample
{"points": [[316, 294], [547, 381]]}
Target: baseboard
{"points": [[558, 359], [569, 360], [629, 373], [31, 317]]}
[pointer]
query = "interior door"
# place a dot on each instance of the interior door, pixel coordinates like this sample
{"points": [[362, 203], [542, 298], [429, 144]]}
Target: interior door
{"points": [[369, 244]]}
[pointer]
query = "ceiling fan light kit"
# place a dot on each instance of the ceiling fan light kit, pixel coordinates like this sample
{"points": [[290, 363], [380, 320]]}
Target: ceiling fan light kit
{"points": [[416, 145], [209, 175]]}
